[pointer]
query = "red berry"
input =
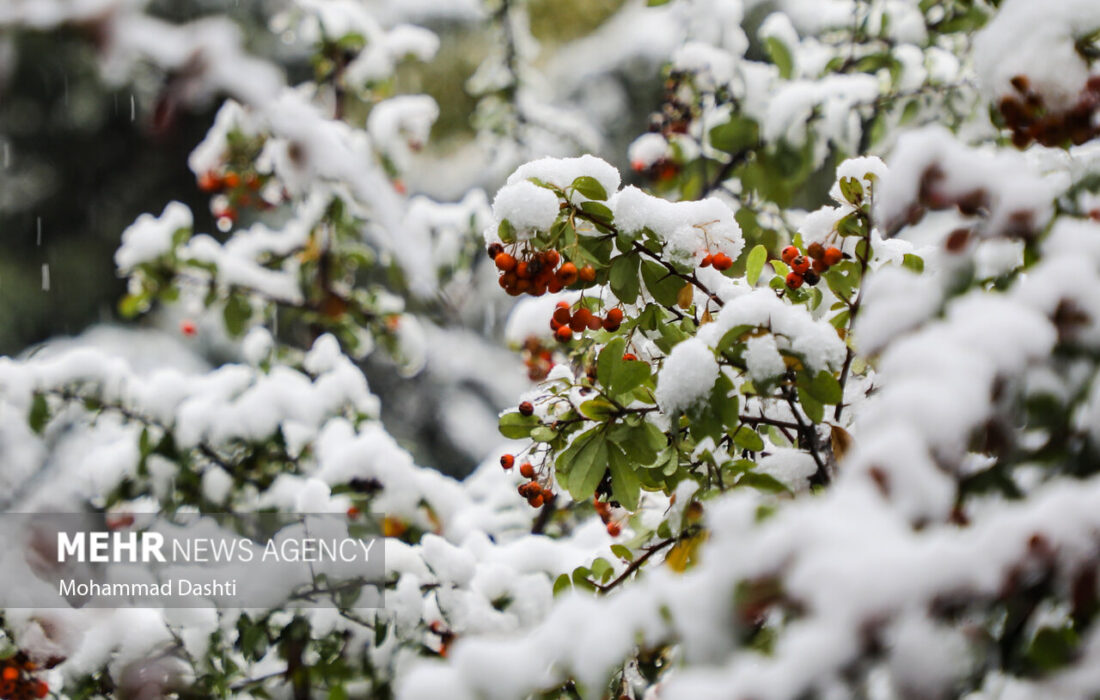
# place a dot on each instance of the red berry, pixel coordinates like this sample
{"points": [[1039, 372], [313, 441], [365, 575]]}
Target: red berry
{"points": [[188, 328], [507, 461], [588, 274], [580, 320], [833, 255], [567, 274], [353, 512], [614, 529], [706, 261], [526, 408], [594, 322], [552, 258], [232, 179], [819, 266], [10, 673], [794, 280], [209, 181], [789, 253], [41, 690], [505, 262], [535, 501], [722, 262], [629, 357], [816, 251], [615, 315], [527, 470], [494, 250], [800, 264], [564, 334]]}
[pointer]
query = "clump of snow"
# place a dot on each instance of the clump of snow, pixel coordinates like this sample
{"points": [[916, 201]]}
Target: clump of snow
{"points": [[1036, 40], [401, 125], [150, 237], [762, 358], [687, 376], [647, 150], [527, 206], [561, 172], [791, 467], [692, 229]]}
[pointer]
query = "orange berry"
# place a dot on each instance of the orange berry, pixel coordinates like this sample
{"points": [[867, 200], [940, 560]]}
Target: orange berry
{"points": [[505, 262], [564, 334], [10, 673], [209, 181], [614, 529], [526, 408], [567, 274], [188, 328], [794, 280], [527, 470], [833, 255], [535, 501], [615, 314], [353, 512], [706, 261], [630, 357], [523, 270], [588, 274], [41, 690], [800, 264], [789, 253], [547, 494], [580, 320], [722, 262], [611, 325], [232, 179], [507, 461], [552, 258]]}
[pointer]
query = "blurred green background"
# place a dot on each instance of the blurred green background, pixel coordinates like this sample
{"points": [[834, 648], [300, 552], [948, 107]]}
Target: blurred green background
{"points": [[80, 160]]}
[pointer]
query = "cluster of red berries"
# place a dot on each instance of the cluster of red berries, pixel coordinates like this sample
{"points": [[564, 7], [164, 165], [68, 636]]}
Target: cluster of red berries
{"points": [[808, 268], [538, 359], [1028, 119], [603, 508], [16, 681], [239, 191], [535, 493], [720, 261], [537, 272], [565, 322]]}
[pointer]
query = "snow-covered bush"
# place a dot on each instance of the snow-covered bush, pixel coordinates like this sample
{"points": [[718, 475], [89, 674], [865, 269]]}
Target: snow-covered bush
{"points": [[812, 408]]}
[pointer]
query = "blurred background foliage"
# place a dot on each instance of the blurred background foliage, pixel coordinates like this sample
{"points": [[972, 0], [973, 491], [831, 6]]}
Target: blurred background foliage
{"points": [[79, 160]]}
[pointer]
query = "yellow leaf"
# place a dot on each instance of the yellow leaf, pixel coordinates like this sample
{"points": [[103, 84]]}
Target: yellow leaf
{"points": [[685, 296], [841, 441], [684, 553]]}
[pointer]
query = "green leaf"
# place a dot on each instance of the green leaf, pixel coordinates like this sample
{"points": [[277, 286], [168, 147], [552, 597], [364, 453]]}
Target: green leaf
{"points": [[625, 485], [1052, 648], [736, 135], [590, 187], [913, 262], [516, 426], [657, 3], [601, 569], [661, 284], [598, 211], [623, 278], [746, 438], [762, 482], [39, 414], [562, 583], [780, 56], [506, 232], [338, 692], [627, 375], [598, 409], [814, 409], [236, 313], [823, 386], [852, 190], [543, 434], [583, 464], [754, 264], [623, 552], [609, 358]]}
